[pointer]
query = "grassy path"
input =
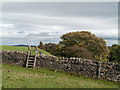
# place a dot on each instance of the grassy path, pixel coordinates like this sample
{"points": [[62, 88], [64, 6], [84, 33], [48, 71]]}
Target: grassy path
{"points": [[20, 77]]}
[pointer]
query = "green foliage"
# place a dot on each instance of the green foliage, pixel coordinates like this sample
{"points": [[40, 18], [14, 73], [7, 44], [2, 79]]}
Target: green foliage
{"points": [[20, 77], [89, 41], [115, 53], [52, 48], [23, 49], [41, 46], [77, 51]]}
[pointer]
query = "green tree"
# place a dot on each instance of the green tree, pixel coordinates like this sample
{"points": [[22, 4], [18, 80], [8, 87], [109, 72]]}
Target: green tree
{"points": [[77, 51], [97, 46], [52, 48], [41, 46], [115, 53]]}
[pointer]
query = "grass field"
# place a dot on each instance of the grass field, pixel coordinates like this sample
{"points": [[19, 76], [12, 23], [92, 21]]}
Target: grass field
{"points": [[23, 49], [20, 77]]}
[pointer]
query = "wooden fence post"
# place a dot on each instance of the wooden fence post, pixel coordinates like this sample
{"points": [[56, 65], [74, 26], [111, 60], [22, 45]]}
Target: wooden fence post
{"points": [[28, 53], [99, 68], [29, 49], [36, 50]]}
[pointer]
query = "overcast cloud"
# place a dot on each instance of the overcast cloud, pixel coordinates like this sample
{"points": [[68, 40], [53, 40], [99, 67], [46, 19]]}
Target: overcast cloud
{"points": [[29, 23]]}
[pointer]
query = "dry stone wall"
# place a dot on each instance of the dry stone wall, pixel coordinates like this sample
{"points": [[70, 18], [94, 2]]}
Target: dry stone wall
{"points": [[89, 68], [14, 57]]}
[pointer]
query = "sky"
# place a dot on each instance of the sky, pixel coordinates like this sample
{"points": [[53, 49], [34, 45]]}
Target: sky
{"points": [[32, 22]]}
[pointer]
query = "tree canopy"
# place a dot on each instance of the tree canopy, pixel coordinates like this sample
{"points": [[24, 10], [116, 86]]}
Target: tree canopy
{"points": [[77, 51], [96, 46], [115, 53], [41, 45], [50, 47]]}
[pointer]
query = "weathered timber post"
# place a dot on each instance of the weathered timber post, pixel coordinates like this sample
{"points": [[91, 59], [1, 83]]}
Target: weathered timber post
{"points": [[35, 57], [98, 70], [28, 53], [36, 50], [29, 49]]}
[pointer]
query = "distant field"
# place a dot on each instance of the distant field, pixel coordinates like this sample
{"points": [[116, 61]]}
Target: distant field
{"points": [[20, 77], [23, 49]]}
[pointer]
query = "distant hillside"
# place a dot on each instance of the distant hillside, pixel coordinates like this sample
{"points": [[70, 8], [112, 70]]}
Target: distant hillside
{"points": [[21, 45], [23, 49], [24, 45], [109, 46]]}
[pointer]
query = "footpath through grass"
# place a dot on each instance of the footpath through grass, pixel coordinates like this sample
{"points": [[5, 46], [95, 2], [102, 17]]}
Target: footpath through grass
{"points": [[23, 49], [20, 77]]}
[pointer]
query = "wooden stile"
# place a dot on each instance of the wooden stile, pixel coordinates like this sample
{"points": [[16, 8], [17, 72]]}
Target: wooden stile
{"points": [[31, 59]]}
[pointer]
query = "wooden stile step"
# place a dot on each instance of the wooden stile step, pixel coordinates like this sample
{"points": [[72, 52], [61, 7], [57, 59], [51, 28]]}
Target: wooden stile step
{"points": [[31, 55], [31, 59], [30, 65]]}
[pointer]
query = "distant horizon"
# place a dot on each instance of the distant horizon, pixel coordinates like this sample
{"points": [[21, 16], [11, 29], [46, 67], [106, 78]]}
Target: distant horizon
{"points": [[37, 44]]}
